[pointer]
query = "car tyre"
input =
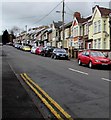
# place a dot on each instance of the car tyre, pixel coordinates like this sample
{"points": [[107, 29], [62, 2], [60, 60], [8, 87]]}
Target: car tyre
{"points": [[90, 65], [51, 56], [44, 55], [79, 62], [55, 57]]}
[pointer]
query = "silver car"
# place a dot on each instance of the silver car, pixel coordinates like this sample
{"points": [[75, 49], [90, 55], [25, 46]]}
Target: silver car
{"points": [[59, 53]]}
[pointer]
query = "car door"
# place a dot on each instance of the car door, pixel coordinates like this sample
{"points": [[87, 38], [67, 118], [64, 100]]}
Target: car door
{"points": [[86, 57], [37, 50], [82, 57]]}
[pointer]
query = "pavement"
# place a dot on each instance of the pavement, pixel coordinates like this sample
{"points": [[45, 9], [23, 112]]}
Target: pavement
{"points": [[16, 103]]}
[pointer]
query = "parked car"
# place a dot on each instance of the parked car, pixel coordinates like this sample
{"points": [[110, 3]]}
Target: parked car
{"points": [[33, 49], [59, 53], [15, 45], [26, 48], [47, 51], [10, 43], [38, 50], [93, 58], [19, 46]]}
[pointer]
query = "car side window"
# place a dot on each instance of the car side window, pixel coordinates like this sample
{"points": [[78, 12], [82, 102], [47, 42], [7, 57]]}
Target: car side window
{"points": [[54, 50], [87, 53], [84, 53]]}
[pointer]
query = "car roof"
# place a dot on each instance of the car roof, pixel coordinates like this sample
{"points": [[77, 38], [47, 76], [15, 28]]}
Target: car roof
{"points": [[59, 49], [87, 50]]}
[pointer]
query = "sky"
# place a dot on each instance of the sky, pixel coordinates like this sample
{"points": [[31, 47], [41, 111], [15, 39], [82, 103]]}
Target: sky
{"points": [[34, 13]]}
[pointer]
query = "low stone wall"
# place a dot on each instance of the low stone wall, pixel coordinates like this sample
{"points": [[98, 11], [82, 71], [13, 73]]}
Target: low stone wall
{"points": [[73, 53]]}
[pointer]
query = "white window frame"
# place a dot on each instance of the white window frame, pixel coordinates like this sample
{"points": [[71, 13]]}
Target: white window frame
{"points": [[99, 25], [86, 29], [104, 25], [99, 43], [95, 44], [89, 45], [104, 43], [95, 27], [76, 31]]}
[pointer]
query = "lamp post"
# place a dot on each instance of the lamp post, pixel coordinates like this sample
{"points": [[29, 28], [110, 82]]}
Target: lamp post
{"points": [[63, 5], [26, 35], [110, 29], [63, 24]]}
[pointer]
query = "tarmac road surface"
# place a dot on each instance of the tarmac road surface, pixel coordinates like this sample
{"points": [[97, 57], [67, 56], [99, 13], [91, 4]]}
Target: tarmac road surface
{"points": [[81, 91]]}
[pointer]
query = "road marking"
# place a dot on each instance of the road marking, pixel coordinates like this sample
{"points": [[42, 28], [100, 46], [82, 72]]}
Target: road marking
{"points": [[105, 79], [78, 71], [42, 98], [48, 97]]}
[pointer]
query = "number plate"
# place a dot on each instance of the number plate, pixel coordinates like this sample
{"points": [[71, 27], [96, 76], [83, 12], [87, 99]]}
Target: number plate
{"points": [[104, 64], [62, 56]]}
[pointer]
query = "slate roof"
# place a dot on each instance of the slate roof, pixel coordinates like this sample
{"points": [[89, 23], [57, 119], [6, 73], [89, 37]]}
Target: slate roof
{"points": [[82, 20], [103, 11], [57, 24], [68, 24]]}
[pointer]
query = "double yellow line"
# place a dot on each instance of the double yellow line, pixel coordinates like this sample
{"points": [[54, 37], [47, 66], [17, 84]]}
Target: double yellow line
{"points": [[37, 88]]}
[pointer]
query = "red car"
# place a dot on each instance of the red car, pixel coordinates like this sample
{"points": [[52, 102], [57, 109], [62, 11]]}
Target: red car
{"points": [[93, 58], [39, 50]]}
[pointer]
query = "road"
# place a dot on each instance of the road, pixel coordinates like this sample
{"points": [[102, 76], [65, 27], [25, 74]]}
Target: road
{"points": [[81, 91]]}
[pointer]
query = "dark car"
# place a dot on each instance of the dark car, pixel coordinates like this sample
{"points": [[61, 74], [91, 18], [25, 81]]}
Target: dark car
{"points": [[59, 53], [93, 58], [47, 51]]}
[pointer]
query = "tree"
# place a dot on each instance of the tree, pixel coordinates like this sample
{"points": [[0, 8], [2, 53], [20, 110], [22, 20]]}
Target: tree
{"points": [[12, 36], [5, 37], [14, 30]]}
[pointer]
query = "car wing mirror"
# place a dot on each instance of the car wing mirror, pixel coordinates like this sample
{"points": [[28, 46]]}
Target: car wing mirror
{"points": [[106, 56]]}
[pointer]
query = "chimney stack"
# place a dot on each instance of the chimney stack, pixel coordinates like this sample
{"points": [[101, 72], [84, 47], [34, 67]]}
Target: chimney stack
{"points": [[77, 14]]}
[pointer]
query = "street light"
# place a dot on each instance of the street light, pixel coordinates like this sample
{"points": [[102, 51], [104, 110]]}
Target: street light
{"points": [[110, 28], [63, 24], [63, 4]]}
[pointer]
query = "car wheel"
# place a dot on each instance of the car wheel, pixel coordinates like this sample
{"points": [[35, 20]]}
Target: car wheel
{"points": [[52, 56], [90, 65], [44, 55], [79, 62], [55, 57], [109, 67]]}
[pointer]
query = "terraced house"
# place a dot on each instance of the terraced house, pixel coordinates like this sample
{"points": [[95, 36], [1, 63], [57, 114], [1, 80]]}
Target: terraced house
{"points": [[100, 28], [81, 33], [80, 30], [93, 31], [56, 41]]}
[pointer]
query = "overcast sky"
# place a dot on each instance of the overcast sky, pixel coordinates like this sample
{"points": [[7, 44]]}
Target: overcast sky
{"points": [[34, 12]]}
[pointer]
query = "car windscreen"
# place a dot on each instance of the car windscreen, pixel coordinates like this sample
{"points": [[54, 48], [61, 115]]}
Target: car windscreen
{"points": [[41, 48], [97, 54], [26, 47], [61, 51]]}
